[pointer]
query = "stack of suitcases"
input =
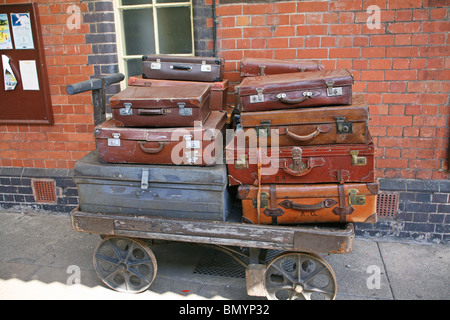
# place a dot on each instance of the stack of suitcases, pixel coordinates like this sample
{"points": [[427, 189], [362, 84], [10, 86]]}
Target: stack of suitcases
{"points": [[158, 155], [301, 152], [313, 159]]}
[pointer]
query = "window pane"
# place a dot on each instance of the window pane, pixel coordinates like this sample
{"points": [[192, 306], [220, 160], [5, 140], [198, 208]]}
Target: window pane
{"points": [[134, 67], [133, 2], [174, 26], [138, 31]]}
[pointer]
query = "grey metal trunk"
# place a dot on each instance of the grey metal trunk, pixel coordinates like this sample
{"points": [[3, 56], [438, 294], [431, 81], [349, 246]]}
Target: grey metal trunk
{"points": [[153, 190]]}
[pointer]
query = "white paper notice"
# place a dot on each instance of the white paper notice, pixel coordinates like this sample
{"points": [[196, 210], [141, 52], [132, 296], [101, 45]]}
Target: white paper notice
{"points": [[29, 74], [8, 74], [23, 34]]}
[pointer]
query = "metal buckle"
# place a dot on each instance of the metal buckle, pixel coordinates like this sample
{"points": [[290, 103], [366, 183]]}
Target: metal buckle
{"points": [[342, 126], [241, 163], [183, 110], [297, 164], [354, 199], [115, 141], [264, 129], [331, 91], [259, 97], [205, 67], [144, 179], [127, 111], [264, 201], [357, 161]]}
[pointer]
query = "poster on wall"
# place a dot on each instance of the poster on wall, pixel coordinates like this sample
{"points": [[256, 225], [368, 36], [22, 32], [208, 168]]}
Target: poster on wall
{"points": [[25, 96], [8, 74], [22, 31], [28, 71], [5, 33]]}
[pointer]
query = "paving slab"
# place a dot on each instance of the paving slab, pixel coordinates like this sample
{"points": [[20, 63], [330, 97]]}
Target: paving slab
{"points": [[38, 253], [417, 271]]}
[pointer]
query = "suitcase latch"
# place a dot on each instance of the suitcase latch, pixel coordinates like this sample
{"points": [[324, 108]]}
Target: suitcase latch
{"points": [[262, 70], [205, 67], [127, 111], [264, 129], [144, 179], [258, 98], [331, 91], [183, 110], [342, 126], [264, 201], [156, 65], [297, 164], [357, 161], [192, 144], [241, 163], [354, 199], [115, 141]]}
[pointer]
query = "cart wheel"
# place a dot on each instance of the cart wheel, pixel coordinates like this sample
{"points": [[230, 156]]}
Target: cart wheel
{"points": [[299, 276], [125, 265]]}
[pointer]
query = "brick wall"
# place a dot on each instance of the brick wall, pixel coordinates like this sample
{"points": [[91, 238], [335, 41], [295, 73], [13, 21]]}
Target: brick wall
{"points": [[402, 68], [67, 57]]}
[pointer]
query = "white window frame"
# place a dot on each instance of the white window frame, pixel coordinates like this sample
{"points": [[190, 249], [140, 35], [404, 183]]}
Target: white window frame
{"points": [[119, 8]]}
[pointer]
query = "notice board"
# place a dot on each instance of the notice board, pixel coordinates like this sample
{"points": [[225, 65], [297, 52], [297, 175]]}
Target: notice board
{"points": [[24, 86]]}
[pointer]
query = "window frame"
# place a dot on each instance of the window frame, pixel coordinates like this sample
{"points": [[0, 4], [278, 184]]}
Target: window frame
{"points": [[120, 38]]}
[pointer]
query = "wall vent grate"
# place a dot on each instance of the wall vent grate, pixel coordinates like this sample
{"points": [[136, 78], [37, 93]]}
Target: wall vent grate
{"points": [[387, 205], [44, 190]]}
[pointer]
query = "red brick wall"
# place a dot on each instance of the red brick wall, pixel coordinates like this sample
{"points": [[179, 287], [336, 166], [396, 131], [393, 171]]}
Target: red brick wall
{"points": [[60, 145], [401, 68]]}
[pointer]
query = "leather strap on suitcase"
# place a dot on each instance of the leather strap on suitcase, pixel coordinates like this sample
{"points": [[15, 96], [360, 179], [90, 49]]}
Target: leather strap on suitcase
{"points": [[343, 210]]}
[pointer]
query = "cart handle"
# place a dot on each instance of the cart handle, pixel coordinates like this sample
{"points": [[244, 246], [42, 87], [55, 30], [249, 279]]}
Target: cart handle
{"points": [[95, 83]]}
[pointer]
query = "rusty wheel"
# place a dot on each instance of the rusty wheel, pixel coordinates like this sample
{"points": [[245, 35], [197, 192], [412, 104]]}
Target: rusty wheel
{"points": [[125, 265], [299, 276]]}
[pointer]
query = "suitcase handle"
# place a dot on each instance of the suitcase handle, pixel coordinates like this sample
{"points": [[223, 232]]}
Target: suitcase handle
{"points": [[151, 150], [299, 173], [178, 67], [283, 98], [327, 203], [319, 130], [153, 112]]}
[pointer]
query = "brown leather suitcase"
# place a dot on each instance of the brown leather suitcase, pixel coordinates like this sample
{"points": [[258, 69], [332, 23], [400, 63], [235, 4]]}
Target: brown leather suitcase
{"points": [[252, 67], [310, 126], [320, 203], [219, 90], [295, 90], [306, 164], [201, 146], [167, 106], [183, 68]]}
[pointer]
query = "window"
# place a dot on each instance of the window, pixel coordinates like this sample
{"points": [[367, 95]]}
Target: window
{"points": [[152, 27]]}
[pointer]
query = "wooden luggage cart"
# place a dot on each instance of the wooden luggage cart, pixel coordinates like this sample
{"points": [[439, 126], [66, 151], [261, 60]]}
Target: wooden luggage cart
{"points": [[125, 262]]}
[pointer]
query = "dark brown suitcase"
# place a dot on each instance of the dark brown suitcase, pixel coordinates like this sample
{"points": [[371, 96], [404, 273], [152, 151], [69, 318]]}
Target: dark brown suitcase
{"points": [[320, 203], [219, 90], [294, 90], [306, 164], [310, 126], [252, 67], [167, 106], [201, 146], [183, 68]]}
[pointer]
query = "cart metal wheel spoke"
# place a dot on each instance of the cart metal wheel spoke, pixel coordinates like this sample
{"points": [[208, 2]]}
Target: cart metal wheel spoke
{"points": [[299, 276], [124, 264]]}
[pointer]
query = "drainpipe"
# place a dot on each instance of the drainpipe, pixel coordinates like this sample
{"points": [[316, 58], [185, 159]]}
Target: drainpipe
{"points": [[215, 23]]}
